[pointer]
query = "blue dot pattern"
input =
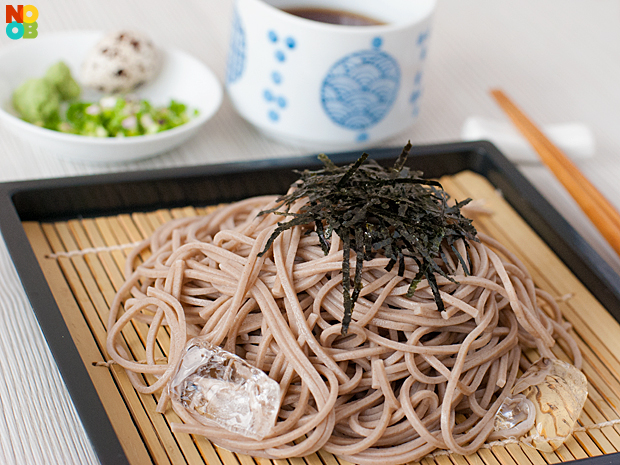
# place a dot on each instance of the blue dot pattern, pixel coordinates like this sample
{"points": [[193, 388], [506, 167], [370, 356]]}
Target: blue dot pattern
{"points": [[416, 93], [236, 53], [276, 102], [360, 89], [418, 78], [422, 43]]}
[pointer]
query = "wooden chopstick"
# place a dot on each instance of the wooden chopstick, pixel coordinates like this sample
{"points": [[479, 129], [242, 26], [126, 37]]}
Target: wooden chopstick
{"points": [[602, 214]]}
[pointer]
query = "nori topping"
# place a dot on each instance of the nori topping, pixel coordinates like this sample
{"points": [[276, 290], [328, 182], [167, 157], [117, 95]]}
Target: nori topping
{"points": [[391, 211]]}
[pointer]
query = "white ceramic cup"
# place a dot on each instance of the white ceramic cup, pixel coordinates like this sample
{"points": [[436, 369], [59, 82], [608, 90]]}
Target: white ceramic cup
{"points": [[327, 86]]}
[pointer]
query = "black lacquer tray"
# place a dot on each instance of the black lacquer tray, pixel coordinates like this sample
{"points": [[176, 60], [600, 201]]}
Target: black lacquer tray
{"points": [[53, 200]]}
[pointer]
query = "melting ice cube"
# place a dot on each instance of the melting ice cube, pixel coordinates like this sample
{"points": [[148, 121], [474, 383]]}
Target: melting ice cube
{"points": [[226, 390], [556, 392]]}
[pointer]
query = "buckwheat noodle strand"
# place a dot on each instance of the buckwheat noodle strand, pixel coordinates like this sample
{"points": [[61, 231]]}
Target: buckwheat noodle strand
{"points": [[406, 379]]}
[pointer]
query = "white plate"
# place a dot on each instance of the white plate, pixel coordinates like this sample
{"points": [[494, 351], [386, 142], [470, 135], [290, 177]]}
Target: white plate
{"points": [[182, 77]]}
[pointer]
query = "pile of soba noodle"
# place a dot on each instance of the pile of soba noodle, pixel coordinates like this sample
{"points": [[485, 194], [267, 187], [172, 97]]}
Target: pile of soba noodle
{"points": [[406, 380]]}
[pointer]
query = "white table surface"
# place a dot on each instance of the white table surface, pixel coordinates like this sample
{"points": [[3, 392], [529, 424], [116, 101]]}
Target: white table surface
{"points": [[558, 59]]}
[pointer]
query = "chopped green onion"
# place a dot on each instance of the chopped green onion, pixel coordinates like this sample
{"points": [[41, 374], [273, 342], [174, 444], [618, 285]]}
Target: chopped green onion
{"points": [[114, 116]]}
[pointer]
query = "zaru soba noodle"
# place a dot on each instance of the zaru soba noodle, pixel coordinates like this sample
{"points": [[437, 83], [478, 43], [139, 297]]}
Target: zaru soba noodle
{"points": [[407, 345]]}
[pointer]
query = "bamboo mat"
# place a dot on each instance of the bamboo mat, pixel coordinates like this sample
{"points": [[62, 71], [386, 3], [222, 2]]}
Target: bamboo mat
{"points": [[83, 260]]}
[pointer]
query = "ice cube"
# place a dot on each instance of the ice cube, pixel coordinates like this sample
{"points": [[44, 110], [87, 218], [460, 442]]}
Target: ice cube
{"points": [[557, 392], [224, 389], [513, 412]]}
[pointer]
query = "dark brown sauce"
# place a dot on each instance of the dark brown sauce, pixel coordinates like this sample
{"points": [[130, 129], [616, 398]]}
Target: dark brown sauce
{"points": [[331, 16]]}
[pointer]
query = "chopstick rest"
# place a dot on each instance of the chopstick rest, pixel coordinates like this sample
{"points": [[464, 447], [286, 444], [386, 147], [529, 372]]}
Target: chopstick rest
{"points": [[576, 140]]}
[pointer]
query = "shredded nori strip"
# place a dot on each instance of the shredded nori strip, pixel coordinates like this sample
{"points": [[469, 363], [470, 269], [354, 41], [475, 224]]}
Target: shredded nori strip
{"points": [[391, 211]]}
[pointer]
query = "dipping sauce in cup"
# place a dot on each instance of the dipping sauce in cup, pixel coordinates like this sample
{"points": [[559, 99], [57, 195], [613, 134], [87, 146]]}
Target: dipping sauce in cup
{"points": [[329, 75], [331, 16]]}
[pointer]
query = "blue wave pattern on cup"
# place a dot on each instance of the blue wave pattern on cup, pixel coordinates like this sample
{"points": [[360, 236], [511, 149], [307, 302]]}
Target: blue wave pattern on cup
{"points": [[360, 89], [275, 100], [236, 54]]}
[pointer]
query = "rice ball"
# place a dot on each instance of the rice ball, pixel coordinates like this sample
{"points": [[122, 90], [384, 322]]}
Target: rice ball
{"points": [[120, 62]]}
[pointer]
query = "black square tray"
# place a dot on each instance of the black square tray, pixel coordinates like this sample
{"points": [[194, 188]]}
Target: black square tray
{"points": [[90, 196]]}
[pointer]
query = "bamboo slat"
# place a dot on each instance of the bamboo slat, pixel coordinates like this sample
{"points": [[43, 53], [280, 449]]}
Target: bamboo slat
{"points": [[83, 261]]}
